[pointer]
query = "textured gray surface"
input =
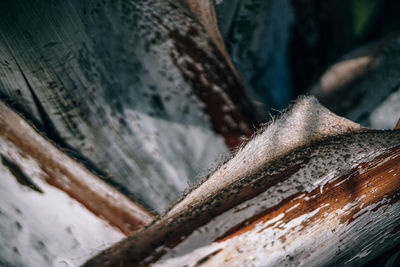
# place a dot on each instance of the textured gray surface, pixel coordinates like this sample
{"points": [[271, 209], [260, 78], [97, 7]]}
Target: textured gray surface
{"points": [[325, 234], [290, 155], [98, 77]]}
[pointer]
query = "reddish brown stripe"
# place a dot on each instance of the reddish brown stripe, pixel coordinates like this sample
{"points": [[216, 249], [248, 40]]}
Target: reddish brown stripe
{"points": [[224, 95], [380, 178], [95, 202]]}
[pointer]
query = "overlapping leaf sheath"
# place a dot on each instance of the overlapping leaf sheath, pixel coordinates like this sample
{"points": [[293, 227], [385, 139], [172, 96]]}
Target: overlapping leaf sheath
{"points": [[310, 177], [136, 89]]}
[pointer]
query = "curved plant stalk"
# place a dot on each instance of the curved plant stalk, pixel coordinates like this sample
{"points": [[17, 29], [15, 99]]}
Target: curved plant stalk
{"points": [[345, 213], [65, 173], [135, 89], [303, 155]]}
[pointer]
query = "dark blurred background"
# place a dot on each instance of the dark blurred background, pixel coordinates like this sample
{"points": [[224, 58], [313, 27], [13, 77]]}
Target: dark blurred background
{"points": [[281, 48]]}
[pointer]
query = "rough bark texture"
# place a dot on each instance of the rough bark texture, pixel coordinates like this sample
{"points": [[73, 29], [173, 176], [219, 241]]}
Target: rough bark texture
{"points": [[342, 217], [59, 170], [136, 89], [145, 94], [270, 171], [41, 225]]}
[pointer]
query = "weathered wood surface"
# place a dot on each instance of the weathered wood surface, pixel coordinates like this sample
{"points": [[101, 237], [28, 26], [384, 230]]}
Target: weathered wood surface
{"points": [[59, 170], [348, 219], [296, 166], [364, 85], [136, 89], [41, 225], [98, 78]]}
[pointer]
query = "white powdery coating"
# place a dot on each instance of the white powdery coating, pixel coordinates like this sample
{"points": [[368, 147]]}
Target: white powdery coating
{"points": [[104, 67], [49, 229], [49, 154], [257, 242], [157, 135], [386, 115], [324, 237]]}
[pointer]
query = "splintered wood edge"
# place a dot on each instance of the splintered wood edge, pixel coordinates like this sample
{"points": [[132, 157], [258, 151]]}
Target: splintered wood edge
{"points": [[72, 177], [149, 245], [382, 175], [340, 208], [214, 196]]}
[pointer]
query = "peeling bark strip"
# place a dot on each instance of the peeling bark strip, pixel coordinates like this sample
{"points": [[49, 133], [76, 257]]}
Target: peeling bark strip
{"points": [[51, 227], [350, 220], [215, 83], [355, 165], [232, 114], [265, 171], [71, 177], [204, 67], [126, 85], [363, 188]]}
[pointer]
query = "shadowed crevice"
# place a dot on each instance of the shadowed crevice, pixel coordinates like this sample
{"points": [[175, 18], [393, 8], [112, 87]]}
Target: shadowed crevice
{"points": [[19, 174]]}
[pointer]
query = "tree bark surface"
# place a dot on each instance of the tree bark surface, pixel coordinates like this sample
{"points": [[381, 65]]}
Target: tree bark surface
{"points": [[316, 180], [135, 89]]}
